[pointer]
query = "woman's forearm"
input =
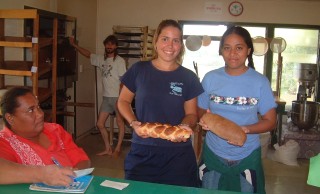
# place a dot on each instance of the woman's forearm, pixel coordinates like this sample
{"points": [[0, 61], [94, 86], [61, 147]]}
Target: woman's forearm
{"points": [[265, 124], [13, 173]]}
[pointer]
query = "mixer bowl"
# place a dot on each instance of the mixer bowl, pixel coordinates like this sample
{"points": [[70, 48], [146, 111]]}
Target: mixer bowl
{"points": [[304, 114]]}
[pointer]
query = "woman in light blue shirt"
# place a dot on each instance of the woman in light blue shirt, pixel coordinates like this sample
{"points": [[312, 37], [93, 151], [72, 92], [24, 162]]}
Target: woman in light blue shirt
{"points": [[240, 94]]}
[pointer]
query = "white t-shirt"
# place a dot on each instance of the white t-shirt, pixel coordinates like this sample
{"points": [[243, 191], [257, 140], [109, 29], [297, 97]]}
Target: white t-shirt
{"points": [[111, 72]]}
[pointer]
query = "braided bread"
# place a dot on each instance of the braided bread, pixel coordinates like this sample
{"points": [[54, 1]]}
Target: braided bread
{"points": [[164, 131], [225, 128]]}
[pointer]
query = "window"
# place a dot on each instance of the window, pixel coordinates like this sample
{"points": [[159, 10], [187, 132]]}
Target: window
{"points": [[301, 47], [207, 57]]}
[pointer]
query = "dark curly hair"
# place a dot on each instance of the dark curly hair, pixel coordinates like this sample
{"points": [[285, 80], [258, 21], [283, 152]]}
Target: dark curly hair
{"points": [[9, 102]]}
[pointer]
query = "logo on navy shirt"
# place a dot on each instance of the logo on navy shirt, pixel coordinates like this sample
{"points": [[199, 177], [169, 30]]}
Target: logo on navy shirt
{"points": [[176, 88]]}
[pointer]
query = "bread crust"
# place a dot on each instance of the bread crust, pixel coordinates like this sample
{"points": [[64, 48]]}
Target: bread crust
{"points": [[225, 128], [164, 131]]}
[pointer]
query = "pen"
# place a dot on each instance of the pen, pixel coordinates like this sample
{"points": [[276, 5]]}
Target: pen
{"points": [[55, 161]]}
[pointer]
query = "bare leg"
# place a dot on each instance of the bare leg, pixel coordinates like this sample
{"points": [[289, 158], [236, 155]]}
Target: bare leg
{"points": [[103, 116], [120, 123]]}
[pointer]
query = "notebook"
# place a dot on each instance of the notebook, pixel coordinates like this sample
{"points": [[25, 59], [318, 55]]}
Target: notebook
{"points": [[80, 184]]}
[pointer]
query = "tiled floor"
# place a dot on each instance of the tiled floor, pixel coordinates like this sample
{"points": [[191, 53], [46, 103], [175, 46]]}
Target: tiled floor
{"points": [[280, 178]]}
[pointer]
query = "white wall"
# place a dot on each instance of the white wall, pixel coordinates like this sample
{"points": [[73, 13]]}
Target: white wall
{"points": [[85, 12], [151, 12], [49, 5]]}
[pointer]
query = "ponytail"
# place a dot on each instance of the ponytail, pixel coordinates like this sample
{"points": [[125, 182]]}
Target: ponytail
{"points": [[250, 61]]}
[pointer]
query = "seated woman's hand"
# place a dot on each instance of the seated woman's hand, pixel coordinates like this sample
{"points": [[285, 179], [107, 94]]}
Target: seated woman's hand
{"points": [[56, 176]]}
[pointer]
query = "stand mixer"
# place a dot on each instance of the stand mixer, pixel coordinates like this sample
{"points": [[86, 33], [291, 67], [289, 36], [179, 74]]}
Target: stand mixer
{"points": [[304, 113]]}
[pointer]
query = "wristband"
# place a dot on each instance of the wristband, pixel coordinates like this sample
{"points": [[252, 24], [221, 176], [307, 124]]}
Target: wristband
{"points": [[131, 123]]}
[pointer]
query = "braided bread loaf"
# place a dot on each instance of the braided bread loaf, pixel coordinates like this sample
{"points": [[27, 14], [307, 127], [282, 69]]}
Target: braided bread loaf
{"points": [[164, 131], [225, 128]]}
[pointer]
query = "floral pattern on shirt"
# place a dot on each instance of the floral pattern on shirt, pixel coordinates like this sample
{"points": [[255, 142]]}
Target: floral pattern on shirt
{"points": [[240, 100], [27, 155]]}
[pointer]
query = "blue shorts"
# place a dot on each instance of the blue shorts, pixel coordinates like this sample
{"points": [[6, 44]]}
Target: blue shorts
{"points": [[160, 164]]}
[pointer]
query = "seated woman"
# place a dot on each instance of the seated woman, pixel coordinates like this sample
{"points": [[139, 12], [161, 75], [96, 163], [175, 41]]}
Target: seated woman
{"points": [[27, 139]]}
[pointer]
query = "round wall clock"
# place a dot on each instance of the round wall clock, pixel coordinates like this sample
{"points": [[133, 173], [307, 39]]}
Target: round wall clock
{"points": [[235, 8]]}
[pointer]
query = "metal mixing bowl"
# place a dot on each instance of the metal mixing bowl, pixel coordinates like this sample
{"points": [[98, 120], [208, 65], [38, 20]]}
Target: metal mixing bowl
{"points": [[304, 114]]}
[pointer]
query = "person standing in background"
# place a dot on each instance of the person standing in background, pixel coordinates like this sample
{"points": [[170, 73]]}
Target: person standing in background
{"points": [[241, 94], [112, 67], [165, 92]]}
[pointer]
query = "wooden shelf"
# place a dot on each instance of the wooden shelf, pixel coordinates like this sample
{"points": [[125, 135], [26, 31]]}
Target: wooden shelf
{"points": [[11, 41], [130, 48], [32, 45], [130, 36], [44, 69], [24, 42], [43, 42], [66, 113], [125, 55], [22, 68], [15, 72], [16, 65], [129, 41], [37, 60], [129, 33], [16, 68], [78, 104], [44, 94], [18, 14]]}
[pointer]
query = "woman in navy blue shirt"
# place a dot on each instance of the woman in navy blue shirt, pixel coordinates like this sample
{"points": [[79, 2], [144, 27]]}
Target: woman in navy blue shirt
{"points": [[165, 92]]}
